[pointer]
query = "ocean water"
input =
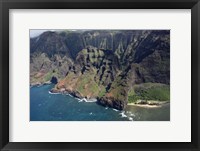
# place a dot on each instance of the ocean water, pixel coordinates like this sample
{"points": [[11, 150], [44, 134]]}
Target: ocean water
{"points": [[45, 106]]}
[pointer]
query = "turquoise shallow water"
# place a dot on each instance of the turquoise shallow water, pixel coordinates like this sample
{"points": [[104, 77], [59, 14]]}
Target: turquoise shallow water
{"points": [[59, 107]]}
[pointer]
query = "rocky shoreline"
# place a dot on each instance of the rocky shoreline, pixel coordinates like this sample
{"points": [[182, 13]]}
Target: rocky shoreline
{"points": [[104, 101], [111, 102], [107, 101], [65, 91]]}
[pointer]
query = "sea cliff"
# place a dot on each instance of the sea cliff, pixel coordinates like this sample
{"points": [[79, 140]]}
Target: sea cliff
{"points": [[101, 64]]}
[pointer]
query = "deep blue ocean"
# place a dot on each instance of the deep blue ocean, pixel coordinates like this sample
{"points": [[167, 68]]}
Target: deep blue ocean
{"points": [[45, 106]]}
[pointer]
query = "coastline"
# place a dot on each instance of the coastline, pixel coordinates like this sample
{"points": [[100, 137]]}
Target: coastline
{"points": [[139, 103], [76, 97], [128, 114]]}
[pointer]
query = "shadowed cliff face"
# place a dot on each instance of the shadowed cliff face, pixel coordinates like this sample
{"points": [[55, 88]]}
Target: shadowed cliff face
{"points": [[101, 64]]}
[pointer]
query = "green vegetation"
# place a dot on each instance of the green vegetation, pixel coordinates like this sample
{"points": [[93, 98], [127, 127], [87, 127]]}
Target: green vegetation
{"points": [[102, 92], [118, 89], [149, 91], [85, 84], [86, 81], [44, 77], [48, 76]]}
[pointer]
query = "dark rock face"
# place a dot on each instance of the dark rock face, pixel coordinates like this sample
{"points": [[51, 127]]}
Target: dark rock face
{"points": [[111, 102], [100, 63], [50, 43]]}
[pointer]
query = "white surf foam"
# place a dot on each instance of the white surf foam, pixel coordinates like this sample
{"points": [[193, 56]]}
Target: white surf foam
{"points": [[69, 95], [53, 93], [92, 100], [116, 110], [80, 100], [123, 114], [132, 114], [130, 118], [89, 100]]}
